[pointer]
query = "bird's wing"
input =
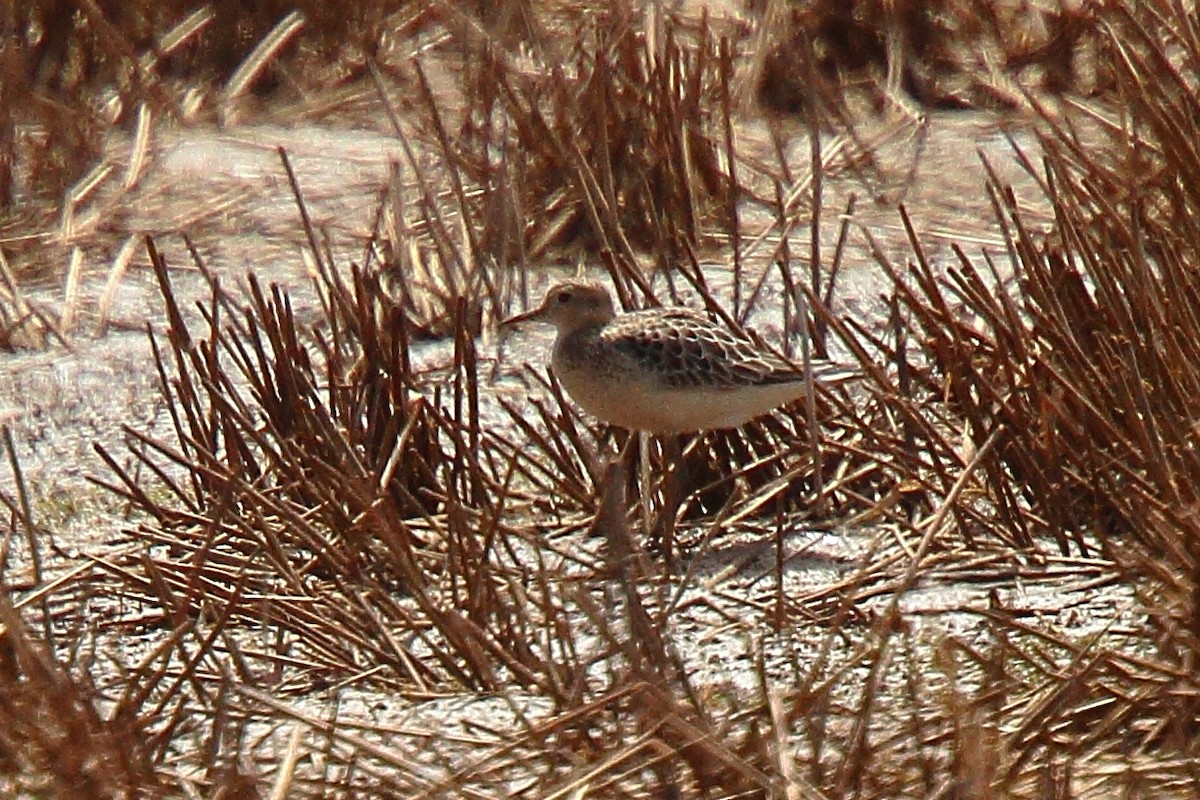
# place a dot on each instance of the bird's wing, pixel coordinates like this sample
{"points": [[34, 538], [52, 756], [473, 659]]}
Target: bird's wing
{"points": [[687, 349]]}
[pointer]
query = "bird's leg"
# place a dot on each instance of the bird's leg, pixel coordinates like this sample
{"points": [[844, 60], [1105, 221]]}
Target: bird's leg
{"points": [[645, 484], [624, 558], [674, 491]]}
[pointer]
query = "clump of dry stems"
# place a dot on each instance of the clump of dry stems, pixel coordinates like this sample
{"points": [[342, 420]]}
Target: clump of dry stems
{"points": [[946, 55]]}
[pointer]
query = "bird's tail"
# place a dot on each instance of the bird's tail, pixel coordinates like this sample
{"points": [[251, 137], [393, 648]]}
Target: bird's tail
{"points": [[833, 372]]}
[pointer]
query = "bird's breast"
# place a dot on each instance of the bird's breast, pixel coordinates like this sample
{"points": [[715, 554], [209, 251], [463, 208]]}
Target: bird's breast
{"points": [[644, 402]]}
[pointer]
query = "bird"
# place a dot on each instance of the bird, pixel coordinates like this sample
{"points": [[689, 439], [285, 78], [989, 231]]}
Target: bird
{"points": [[665, 371]]}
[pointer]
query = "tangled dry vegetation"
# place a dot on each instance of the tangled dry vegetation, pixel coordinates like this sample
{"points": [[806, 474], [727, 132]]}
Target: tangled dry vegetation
{"points": [[324, 517]]}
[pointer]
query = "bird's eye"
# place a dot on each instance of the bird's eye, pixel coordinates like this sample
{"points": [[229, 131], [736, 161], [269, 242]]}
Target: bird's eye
{"points": [[564, 297]]}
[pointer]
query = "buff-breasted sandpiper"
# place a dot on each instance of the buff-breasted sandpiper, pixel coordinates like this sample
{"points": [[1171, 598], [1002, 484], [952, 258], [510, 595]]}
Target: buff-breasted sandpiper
{"points": [[663, 370]]}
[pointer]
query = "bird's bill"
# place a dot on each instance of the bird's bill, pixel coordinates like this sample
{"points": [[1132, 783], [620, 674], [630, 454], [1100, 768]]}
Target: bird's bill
{"points": [[528, 316]]}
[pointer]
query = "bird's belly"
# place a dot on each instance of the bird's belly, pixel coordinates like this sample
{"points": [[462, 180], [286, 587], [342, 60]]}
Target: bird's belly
{"points": [[642, 406]]}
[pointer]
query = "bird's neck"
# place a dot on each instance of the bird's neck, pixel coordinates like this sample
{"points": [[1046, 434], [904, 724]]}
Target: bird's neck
{"points": [[578, 344]]}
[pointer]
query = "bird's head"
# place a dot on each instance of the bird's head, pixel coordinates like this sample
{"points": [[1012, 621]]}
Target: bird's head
{"points": [[570, 306]]}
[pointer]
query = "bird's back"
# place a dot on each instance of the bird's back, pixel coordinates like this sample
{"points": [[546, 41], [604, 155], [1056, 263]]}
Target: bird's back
{"points": [[684, 349]]}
